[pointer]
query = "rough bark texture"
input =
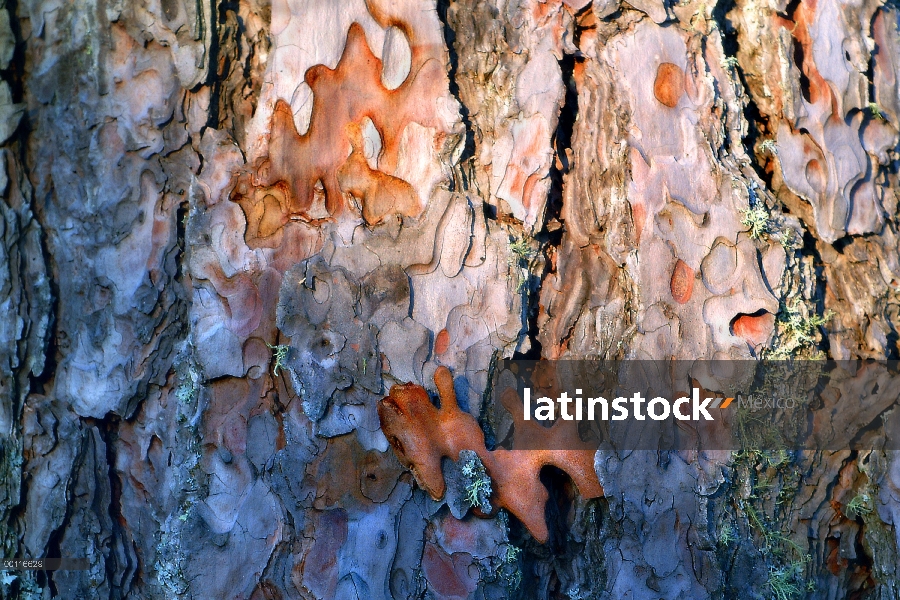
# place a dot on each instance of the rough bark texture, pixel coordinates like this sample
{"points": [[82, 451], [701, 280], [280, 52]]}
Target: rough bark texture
{"points": [[229, 227]]}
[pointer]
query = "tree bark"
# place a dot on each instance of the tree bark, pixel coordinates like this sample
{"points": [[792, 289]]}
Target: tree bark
{"points": [[230, 227]]}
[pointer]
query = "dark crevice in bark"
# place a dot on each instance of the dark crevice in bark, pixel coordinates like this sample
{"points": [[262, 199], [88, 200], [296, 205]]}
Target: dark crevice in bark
{"points": [[109, 433], [14, 74], [562, 145], [218, 73], [730, 43], [893, 337], [215, 75], [789, 10], [870, 65], [449, 41], [553, 570], [757, 123], [558, 505], [804, 80], [181, 216], [798, 53], [841, 244], [567, 566], [857, 571], [42, 383], [551, 239], [809, 249], [55, 538]]}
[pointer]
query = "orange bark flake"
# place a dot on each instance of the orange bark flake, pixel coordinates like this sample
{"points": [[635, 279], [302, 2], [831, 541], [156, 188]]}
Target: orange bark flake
{"points": [[329, 154], [682, 283], [754, 328], [669, 84], [422, 435], [441, 342]]}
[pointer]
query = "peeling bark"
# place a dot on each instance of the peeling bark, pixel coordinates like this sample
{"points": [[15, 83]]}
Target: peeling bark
{"points": [[229, 228]]}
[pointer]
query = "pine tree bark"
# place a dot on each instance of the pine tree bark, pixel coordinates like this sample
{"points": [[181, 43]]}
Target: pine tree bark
{"points": [[229, 227]]}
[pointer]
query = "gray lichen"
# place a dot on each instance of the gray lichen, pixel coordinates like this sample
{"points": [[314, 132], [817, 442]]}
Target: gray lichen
{"points": [[477, 481]]}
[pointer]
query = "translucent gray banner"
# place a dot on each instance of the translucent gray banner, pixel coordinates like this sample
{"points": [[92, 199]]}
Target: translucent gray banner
{"points": [[695, 405]]}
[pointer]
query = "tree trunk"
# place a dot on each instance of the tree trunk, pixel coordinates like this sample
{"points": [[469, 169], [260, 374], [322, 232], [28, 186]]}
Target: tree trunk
{"points": [[230, 227]]}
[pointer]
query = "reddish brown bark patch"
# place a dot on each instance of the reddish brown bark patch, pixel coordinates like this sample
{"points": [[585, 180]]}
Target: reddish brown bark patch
{"points": [[754, 328], [441, 342], [447, 575], [379, 194], [422, 434], [342, 97], [320, 568], [682, 284], [669, 85]]}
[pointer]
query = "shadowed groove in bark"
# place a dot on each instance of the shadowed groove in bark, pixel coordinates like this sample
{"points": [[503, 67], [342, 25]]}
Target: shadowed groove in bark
{"points": [[120, 576], [226, 44], [790, 13], [450, 42], [14, 73], [548, 240], [215, 76], [757, 124], [21, 379], [818, 297], [559, 567], [43, 383]]}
